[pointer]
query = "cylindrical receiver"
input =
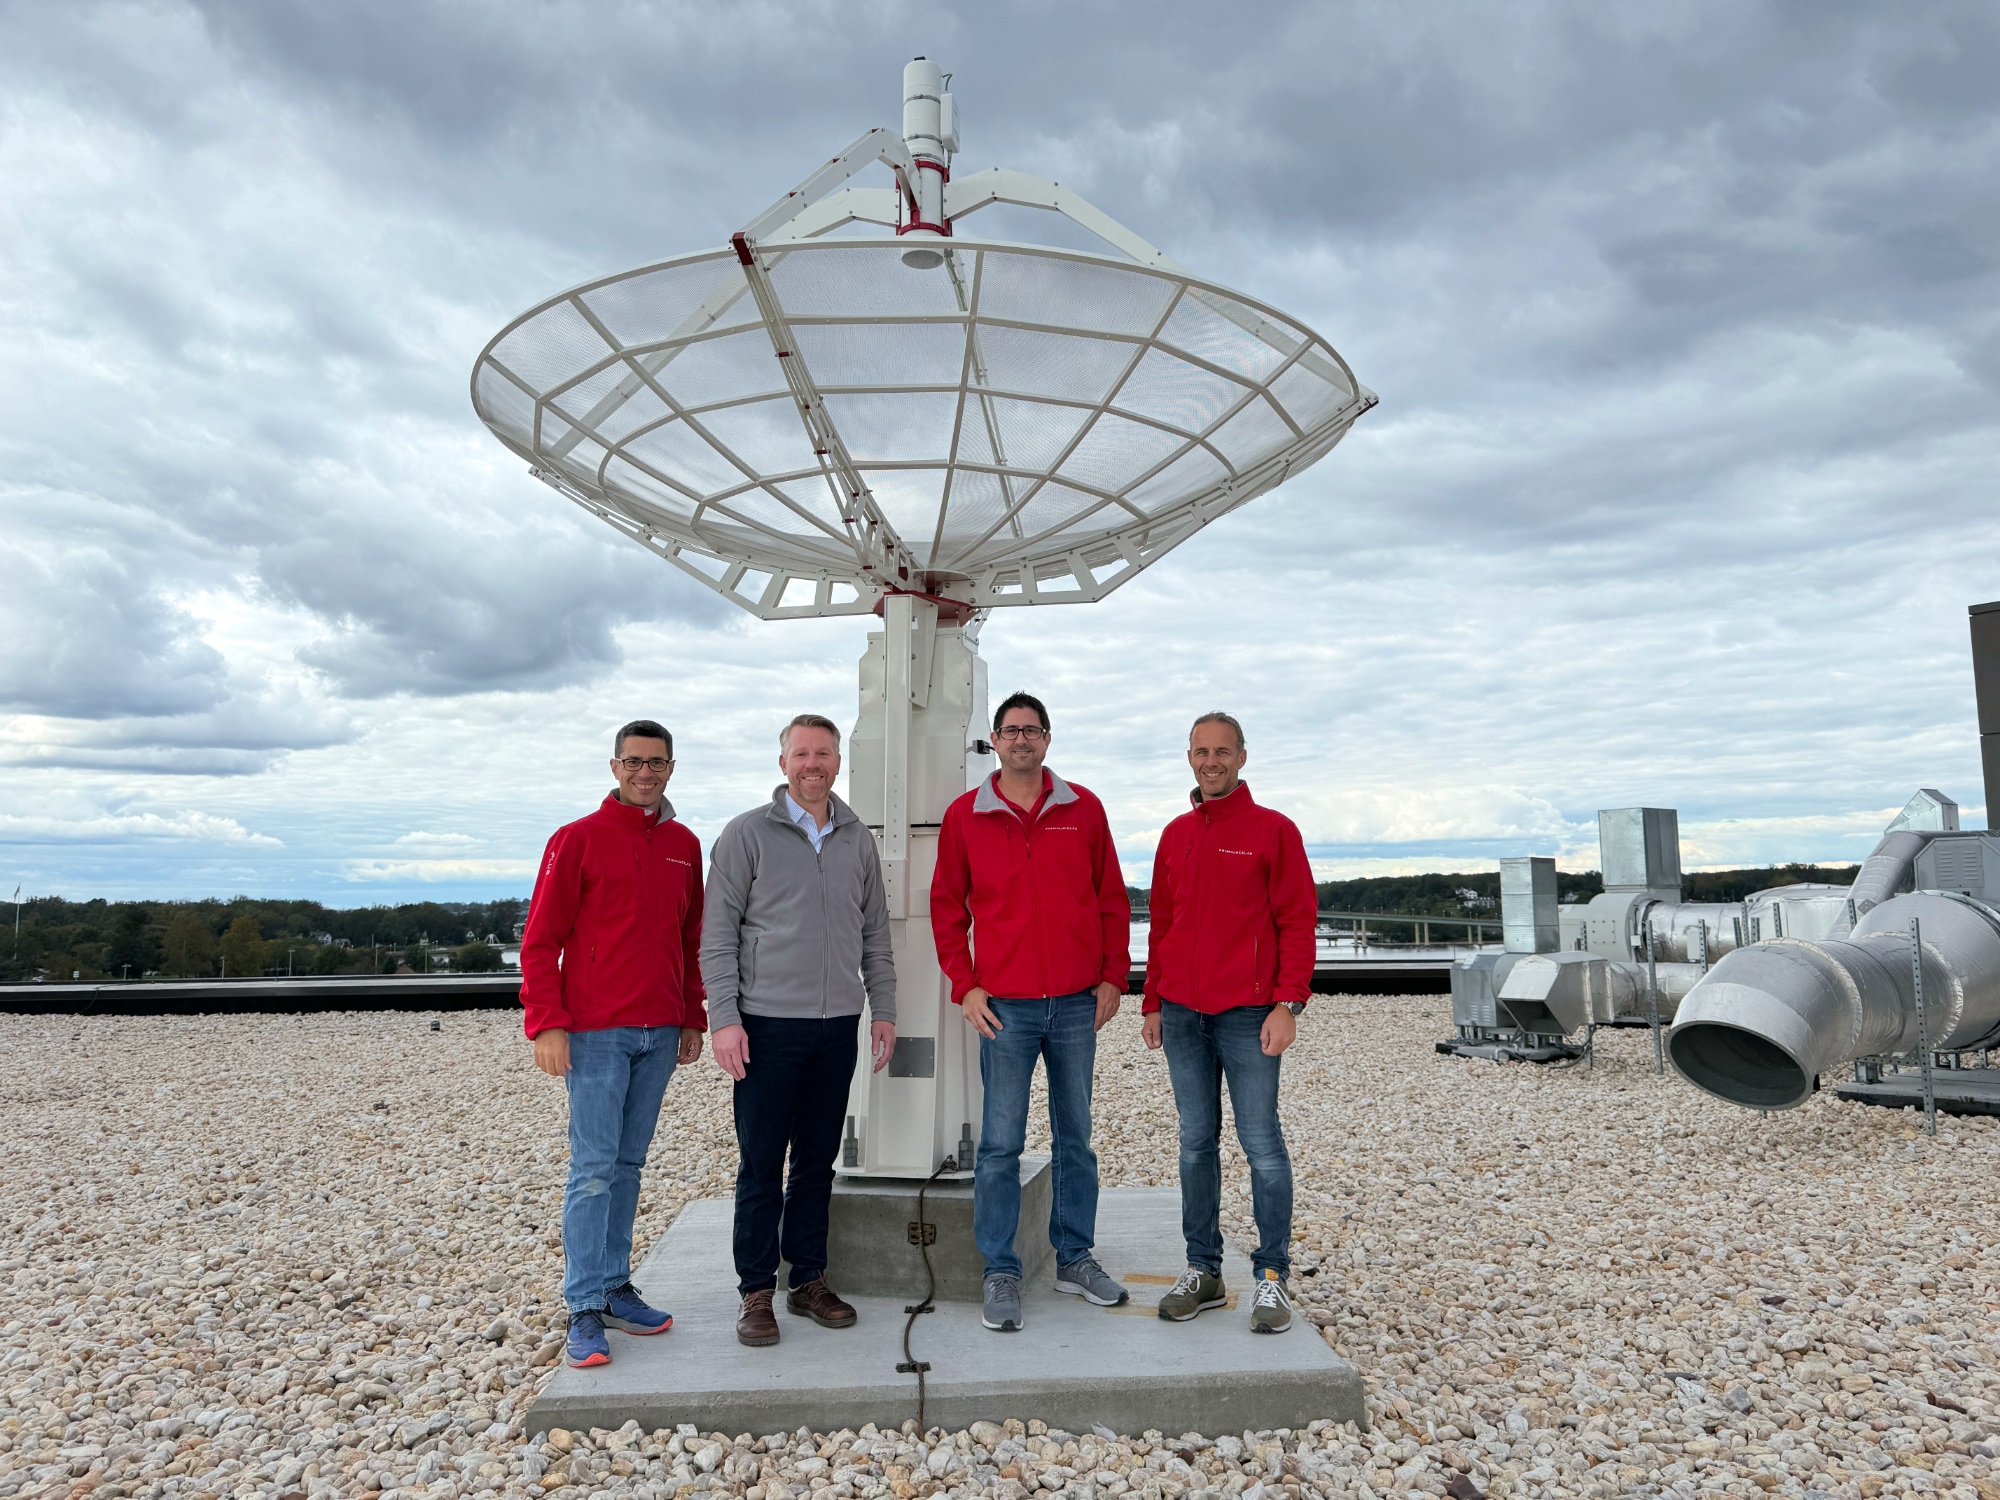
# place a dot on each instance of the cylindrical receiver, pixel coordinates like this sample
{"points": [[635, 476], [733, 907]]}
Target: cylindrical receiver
{"points": [[923, 133], [1770, 1018], [923, 109]]}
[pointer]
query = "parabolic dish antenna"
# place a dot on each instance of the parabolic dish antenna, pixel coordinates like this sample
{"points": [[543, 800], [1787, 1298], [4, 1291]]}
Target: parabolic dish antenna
{"points": [[925, 426], [988, 423]]}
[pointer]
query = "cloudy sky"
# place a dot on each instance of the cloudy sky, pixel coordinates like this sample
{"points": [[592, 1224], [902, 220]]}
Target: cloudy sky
{"points": [[1684, 322]]}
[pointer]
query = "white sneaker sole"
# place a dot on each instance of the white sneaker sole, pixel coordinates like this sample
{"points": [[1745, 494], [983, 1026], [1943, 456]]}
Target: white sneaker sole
{"points": [[1189, 1317], [1078, 1289]]}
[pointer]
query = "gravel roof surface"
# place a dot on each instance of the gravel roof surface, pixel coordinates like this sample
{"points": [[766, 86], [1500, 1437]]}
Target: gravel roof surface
{"points": [[263, 1255]]}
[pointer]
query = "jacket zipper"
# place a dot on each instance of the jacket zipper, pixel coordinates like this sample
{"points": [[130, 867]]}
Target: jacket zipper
{"points": [[819, 863]]}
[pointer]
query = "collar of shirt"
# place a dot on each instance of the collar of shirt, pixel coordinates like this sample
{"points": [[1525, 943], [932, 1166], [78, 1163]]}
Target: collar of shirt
{"points": [[806, 821], [1026, 814]]}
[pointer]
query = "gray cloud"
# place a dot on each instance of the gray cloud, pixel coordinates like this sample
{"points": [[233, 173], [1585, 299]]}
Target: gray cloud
{"points": [[1685, 322], [90, 629]]}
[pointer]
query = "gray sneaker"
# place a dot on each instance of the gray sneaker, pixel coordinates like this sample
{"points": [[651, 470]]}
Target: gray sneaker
{"points": [[1196, 1292], [1087, 1279], [1002, 1309], [1271, 1312]]}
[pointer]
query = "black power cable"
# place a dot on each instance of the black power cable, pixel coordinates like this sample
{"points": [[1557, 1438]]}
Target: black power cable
{"points": [[923, 1234]]}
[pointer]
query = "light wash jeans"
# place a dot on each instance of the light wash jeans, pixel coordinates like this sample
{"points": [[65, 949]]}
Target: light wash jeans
{"points": [[1201, 1052], [616, 1081], [1061, 1032]]}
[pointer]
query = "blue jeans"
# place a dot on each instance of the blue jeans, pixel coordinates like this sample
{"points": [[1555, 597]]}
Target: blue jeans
{"points": [[616, 1081], [1202, 1051], [1062, 1031]]}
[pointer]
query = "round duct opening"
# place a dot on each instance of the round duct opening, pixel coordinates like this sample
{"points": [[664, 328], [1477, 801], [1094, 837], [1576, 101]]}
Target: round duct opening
{"points": [[1738, 1065]]}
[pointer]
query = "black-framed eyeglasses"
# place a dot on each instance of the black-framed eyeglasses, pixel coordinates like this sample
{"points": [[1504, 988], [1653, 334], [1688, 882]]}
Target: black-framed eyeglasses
{"points": [[634, 764], [1029, 732]]}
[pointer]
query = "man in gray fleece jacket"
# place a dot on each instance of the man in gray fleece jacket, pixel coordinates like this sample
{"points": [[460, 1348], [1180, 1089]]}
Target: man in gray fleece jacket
{"points": [[795, 934]]}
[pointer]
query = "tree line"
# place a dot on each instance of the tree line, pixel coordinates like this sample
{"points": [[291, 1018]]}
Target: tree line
{"points": [[248, 938], [1469, 894]]}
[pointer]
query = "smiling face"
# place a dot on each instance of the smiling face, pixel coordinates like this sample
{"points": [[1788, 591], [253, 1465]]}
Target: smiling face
{"points": [[642, 769], [1021, 742], [1216, 758], [810, 761]]}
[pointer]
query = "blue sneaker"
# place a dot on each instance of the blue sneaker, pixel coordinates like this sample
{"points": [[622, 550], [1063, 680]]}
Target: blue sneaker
{"points": [[587, 1344], [628, 1313]]}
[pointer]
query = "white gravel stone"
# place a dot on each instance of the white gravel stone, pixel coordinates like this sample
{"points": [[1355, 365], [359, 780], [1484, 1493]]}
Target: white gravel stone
{"points": [[229, 1272]]}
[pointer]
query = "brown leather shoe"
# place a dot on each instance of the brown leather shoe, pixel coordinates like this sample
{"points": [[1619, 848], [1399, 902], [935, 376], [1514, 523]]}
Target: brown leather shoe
{"points": [[816, 1300], [756, 1324]]}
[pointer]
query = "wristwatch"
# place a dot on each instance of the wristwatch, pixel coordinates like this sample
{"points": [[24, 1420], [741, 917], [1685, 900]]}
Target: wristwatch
{"points": [[1296, 1007]]}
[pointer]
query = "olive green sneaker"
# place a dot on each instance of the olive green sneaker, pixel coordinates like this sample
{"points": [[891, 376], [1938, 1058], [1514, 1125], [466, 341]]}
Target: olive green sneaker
{"points": [[1196, 1292], [1271, 1312]]}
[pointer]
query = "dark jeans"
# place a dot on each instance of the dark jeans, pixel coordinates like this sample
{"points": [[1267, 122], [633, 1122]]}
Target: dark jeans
{"points": [[1202, 1051], [1061, 1032], [792, 1097], [617, 1078]]}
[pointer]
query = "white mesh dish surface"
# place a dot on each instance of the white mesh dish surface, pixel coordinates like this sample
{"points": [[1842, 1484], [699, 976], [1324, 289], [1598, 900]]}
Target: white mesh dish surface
{"points": [[1031, 425]]}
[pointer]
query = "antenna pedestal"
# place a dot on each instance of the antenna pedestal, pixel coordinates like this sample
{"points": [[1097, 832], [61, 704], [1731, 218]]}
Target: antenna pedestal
{"points": [[921, 710]]}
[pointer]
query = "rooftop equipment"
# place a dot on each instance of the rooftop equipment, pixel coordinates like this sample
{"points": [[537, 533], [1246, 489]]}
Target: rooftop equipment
{"points": [[1985, 622], [1625, 958], [912, 424], [1768, 1021], [1903, 983]]}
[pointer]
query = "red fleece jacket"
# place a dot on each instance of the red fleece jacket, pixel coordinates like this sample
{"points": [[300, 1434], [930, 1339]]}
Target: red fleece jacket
{"points": [[1026, 909], [1233, 909], [614, 930]]}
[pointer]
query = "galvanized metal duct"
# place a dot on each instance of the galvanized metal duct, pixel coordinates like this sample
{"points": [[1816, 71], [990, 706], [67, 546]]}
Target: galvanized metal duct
{"points": [[1691, 932], [1768, 1019], [1886, 872], [1621, 924], [1557, 993]]}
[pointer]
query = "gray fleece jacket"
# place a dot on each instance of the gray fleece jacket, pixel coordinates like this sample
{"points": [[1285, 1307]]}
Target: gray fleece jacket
{"points": [[790, 933]]}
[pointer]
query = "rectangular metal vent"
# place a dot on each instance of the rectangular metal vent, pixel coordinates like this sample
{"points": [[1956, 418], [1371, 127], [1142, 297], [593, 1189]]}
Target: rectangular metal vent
{"points": [[1958, 865]]}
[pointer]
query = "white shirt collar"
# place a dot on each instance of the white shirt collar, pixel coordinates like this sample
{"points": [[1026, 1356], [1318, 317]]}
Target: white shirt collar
{"points": [[806, 820]]}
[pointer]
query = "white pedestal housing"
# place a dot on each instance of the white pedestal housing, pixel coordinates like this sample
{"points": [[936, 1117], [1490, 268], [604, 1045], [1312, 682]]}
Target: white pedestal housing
{"points": [[910, 756]]}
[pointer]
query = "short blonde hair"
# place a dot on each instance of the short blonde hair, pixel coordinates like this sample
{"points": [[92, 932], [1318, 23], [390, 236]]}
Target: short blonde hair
{"points": [[1217, 716], [808, 721]]}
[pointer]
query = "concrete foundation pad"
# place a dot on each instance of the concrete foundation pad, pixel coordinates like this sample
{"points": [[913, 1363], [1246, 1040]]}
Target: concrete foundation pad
{"points": [[1075, 1366], [871, 1252]]}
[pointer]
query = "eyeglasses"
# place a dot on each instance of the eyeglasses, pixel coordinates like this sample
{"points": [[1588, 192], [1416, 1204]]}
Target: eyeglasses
{"points": [[1029, 732], [634, 764]]}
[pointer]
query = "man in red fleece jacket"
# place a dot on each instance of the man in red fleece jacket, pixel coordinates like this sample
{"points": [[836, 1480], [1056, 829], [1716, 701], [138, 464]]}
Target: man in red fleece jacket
{"points": [[611, 987], [1031, 921], [1229, 964]]}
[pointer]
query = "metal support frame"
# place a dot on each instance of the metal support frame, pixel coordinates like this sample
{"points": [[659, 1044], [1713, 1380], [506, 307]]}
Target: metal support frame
{"points": [[877, 548], [1926, 1059], [898, 616], [1653, 998]]}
